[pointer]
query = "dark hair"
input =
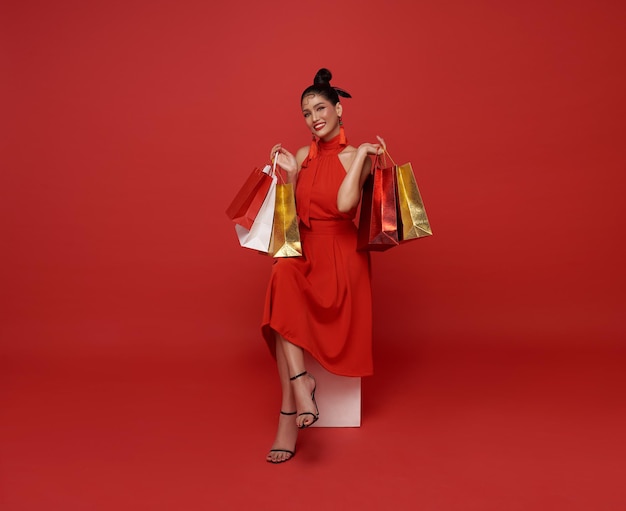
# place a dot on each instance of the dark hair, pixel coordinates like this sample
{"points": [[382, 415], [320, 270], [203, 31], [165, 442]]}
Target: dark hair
{"points": [[321, 85]]}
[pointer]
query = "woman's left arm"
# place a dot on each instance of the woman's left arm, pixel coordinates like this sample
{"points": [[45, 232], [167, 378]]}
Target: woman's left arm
{"points": [[349, 193]]}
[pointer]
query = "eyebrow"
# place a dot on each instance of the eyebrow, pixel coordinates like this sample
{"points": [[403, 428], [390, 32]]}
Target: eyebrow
{"points": [[314, 106]]}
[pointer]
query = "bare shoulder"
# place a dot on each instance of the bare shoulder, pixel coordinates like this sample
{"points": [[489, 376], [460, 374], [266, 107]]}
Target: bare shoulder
{"points": [[301, 154], [347, 155]]}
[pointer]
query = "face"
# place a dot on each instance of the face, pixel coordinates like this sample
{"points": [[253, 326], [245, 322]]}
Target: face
{"points": [[321, 116]]}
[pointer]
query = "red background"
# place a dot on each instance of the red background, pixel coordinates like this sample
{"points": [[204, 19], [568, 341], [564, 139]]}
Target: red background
{"points": [[128, 126]]}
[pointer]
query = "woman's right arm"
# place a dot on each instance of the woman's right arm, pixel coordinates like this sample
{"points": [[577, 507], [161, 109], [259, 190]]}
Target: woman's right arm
{"points": [[288, 162]]}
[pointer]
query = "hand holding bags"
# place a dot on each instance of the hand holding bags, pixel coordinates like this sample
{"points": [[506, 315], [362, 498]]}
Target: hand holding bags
{"points": [[274, 228], [383, 225]]}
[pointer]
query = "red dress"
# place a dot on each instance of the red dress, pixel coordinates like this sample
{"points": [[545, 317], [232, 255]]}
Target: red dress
{"points": [[322, 301]]}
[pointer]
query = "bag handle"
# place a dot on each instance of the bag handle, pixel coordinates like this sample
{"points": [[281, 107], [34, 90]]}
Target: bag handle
{"points": [[375, 163], [378, 159], [387, 152], [277, 174]]}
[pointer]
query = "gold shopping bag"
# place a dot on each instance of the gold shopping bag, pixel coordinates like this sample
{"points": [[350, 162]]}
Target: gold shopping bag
{"points": [[414, 222], [285, 233]]}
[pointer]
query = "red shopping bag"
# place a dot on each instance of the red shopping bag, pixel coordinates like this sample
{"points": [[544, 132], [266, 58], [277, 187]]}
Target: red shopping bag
{"points": [[378, 222], [246, 205]]}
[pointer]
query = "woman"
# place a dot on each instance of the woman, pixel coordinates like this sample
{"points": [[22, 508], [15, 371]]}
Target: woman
{"points": [[320, 302]]}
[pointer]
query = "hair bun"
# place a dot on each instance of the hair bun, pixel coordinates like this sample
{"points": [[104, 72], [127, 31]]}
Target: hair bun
{"points": [[322, 77], [321, 85]]}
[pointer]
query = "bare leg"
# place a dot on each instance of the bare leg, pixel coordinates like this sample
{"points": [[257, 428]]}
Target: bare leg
{"points": [[302, 387], [287, 432]]}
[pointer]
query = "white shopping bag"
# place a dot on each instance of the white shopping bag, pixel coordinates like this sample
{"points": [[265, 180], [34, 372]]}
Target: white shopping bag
{"points": [[259, 235]]}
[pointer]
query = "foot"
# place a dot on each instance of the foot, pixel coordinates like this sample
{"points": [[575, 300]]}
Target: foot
{"points": [[284, 447], [303, 385]]}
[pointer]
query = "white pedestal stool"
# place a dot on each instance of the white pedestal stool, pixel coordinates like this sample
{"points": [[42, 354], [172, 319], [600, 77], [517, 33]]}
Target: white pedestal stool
{"points": [[338, 397]]}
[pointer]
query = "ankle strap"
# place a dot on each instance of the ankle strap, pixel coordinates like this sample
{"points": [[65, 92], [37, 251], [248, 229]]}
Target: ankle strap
{"points": [[288, 413], [298, 376]]}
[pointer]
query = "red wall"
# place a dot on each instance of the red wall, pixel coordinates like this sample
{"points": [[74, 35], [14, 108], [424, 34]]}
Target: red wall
{"points": [[128, 126]]}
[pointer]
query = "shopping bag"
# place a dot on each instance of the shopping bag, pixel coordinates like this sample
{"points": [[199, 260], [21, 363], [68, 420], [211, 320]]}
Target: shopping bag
{"points": [[259, 235], [413, 223], [378, 221], [285, 233], [249, 199]]}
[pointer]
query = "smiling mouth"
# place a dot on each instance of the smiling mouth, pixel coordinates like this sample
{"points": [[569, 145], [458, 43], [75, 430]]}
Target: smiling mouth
{"points": [[319, 126]]}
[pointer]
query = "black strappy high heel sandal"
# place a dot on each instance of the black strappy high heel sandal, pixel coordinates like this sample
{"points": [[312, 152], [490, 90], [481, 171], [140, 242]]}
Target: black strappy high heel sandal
{"points": [[315, 415], [293, 453]]}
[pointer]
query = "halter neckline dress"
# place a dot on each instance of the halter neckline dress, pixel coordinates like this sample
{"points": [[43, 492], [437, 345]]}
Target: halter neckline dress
{"points": [[322, 301]]}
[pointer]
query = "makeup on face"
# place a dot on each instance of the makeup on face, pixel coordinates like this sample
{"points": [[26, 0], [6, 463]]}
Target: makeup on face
{"points": [[320, 116]]}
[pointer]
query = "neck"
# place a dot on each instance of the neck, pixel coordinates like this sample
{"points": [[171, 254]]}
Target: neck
{"points": [[331, 135]]}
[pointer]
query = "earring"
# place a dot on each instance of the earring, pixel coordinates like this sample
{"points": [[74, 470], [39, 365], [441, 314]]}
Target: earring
{"points": [[342, 133]]}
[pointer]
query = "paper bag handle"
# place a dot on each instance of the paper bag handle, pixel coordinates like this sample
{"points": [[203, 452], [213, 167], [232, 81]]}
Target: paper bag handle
{"points": [[383, 159], [387, 152], [279, 175]]}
